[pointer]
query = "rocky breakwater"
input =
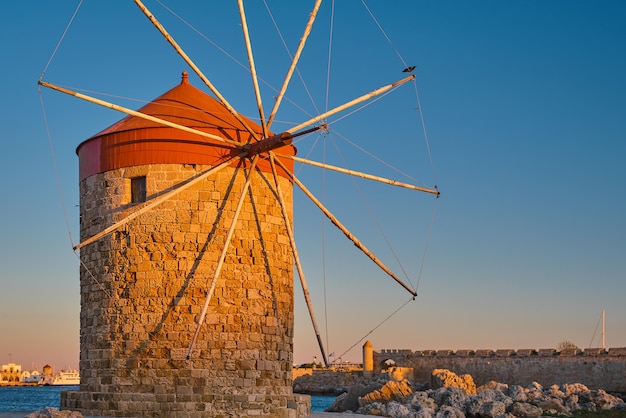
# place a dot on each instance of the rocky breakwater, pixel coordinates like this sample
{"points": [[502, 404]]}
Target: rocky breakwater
{"points": [[448, 395], [326, 382]]}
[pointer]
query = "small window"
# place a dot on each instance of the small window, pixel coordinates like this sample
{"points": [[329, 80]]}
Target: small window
{"points": [[138, 189]]}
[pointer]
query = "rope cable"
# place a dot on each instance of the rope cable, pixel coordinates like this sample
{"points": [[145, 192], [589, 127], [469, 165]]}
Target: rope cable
{"points": [[594, 331], [384, 34], [375, 218], [282, 39], [230, 56], [61, 195], [60, 40], [423, 123], [330, 50], [93, 277], [426, 244], [364, 105], [369, 154], [423, 126], [327, 94], [377, 326], [55, 167], [323, 176], [419, 106], [323, 243]]}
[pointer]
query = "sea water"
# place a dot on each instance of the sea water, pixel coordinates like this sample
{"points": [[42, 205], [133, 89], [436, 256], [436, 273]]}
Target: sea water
{"points": [[32, 398], [320, 403]]}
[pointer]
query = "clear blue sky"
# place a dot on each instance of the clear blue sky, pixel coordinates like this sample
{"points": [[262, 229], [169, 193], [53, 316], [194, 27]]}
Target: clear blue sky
{"points": [[524, 109]]}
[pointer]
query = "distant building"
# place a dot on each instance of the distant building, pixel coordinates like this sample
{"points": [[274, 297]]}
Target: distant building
{"points": [[31, 377], [11, 373]]}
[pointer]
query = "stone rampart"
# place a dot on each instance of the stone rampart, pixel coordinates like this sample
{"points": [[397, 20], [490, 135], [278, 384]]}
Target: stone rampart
{"points": [[596, 368], [325, 381]]}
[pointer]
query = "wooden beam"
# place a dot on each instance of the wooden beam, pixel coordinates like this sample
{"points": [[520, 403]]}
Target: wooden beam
{"points": [[255, 79], [294, 62], [194, 67], [351, 103], [138, 114], [360, 174], [154, 202], [345, 230], [220, 263], [294, 249]]}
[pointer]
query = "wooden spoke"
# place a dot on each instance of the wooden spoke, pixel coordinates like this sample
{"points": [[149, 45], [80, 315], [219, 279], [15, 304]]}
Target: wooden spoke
{"points": [[345, 230], [360, 174], [220, 263], [294, 249], [156, 201], [194, 67], [351, 103], [138, 114], [294, 62], [255, 79]]}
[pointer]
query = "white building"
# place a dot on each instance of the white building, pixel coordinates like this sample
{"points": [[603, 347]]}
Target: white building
{"points": [[31, 377], [11, 373]]}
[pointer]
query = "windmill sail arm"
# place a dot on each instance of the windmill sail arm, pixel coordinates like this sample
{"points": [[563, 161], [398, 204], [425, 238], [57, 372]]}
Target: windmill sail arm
{"points": [[361, 174], [131, 112], [220, 263], [194, 67], [294, 249], [156, 201], [294, 61], [351, 103], [346, 232], [255, 79]]}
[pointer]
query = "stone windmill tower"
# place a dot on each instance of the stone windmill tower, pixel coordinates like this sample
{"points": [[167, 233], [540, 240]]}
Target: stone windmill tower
{"points": [[186, 275], [187, 251]]}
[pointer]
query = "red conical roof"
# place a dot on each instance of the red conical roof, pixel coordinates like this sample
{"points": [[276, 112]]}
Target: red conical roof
{"points": [[137, 141]]}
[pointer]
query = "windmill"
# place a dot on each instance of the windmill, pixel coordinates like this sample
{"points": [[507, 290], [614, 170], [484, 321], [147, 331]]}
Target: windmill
{"points": [[188, 250]]}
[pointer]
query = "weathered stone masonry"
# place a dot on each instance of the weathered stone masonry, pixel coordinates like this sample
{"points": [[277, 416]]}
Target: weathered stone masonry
{"points": [[595, 368], [144, 285]]}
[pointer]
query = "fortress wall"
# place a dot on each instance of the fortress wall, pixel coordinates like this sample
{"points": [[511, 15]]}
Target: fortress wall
{"points": [[595, 368]]}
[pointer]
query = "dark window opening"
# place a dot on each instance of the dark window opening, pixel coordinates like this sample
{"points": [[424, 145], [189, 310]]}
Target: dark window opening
{"points": [[138, 189]]}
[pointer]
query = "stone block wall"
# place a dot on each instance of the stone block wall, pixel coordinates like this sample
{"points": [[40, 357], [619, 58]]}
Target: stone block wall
{"points": [[143, 288], [595, 368], [326, 382]]}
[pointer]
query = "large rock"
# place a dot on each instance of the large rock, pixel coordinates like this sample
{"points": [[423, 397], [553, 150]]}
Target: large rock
{"points": [[604, 400], [503, 387], [451, 400], [390, 391], [400, 373], [483, 408], [350, 400], [324, 382], [571, 388], [49, 412], [375, 408], [450, 396], [420, 401], [398, 410], [494, 395], [517, 393], [449, 412], [554, 406], [445, 378], [525, 410]]}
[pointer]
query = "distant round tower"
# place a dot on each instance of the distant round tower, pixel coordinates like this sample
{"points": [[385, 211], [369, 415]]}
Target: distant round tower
{"points": [[47, 370], [368, 360], [143, 285]]}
